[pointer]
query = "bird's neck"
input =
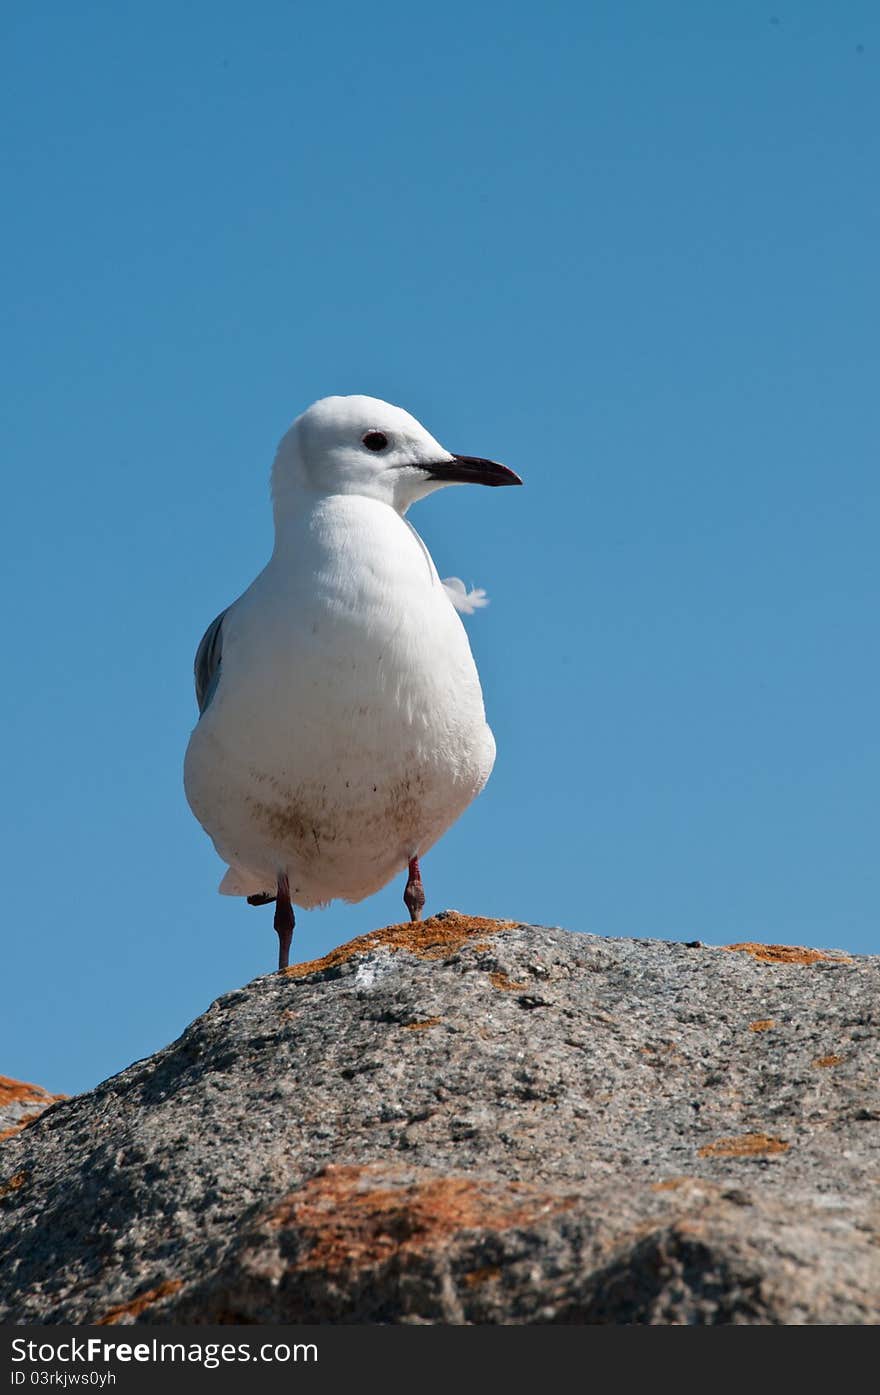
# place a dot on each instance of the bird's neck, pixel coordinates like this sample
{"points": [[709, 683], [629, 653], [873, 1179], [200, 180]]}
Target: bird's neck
{"points": [[331, 517]]}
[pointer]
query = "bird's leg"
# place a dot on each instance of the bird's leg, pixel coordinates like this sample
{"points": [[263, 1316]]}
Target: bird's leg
{"points": [[262, 898], [284, 921], [414, 895]]}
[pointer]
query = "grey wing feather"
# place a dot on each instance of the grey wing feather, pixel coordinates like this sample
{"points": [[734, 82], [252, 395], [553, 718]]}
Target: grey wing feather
{"points": [[207, 665]]}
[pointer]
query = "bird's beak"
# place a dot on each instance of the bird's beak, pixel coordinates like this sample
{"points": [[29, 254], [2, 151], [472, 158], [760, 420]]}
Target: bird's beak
{"points": [[471, 469]]}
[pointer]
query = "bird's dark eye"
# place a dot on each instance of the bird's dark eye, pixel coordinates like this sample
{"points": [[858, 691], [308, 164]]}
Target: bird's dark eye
{"points": [[375, 440]]}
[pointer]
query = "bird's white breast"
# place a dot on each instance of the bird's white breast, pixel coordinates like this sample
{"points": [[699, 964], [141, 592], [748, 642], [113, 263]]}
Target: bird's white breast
{"points": [[347, 731]]}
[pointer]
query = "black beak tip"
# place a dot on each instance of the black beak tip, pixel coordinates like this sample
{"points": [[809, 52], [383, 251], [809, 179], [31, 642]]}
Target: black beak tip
{"points": [[473, 469]]}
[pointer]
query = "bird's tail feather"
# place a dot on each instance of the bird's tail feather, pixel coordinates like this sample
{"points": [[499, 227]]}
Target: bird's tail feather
{"points": [[239, 882]]}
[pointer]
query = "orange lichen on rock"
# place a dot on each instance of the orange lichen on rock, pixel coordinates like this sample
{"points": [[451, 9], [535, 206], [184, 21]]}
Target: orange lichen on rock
{"points": [[434, 938], [505, 984], [788, 954], [352, 1217], [748, 1145], [137, 1305], [824, 1061], [17, 1180], [486, 1275], [422, 1026], [673, 1184], [20, 1124], [762, 1025], [20, 1092]]}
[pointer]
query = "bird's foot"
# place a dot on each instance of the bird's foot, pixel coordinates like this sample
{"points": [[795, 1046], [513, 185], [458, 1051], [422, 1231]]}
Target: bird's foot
{"points": [[414, 895], [284, 921], [262, 898]]}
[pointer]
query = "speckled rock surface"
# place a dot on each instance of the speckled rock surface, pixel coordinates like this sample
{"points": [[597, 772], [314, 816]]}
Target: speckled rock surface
{"points": [[470, 1121]]}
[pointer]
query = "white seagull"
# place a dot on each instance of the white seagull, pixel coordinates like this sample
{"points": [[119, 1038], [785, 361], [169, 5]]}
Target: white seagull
{"points": [[341, 727]]}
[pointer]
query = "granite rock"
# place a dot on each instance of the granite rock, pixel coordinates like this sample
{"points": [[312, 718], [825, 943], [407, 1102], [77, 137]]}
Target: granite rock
{"points": [[473, 1121]]}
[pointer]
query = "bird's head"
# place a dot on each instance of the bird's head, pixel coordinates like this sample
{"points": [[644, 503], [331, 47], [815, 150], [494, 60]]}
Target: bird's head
{"points": [[361, 445]]}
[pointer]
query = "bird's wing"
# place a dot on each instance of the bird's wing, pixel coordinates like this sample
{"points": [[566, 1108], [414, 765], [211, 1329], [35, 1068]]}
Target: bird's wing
{"points": [[207, 664], [464, 601]]}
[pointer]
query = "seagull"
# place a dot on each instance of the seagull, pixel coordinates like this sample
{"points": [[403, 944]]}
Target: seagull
{"points": [[341, 725]]}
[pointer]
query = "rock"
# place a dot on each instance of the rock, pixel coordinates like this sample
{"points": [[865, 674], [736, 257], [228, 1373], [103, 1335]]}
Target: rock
{"points": [[21, 1104], [471, 1121]]}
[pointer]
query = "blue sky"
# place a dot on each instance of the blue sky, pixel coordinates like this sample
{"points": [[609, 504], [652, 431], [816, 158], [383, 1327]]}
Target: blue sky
{"points": [[630, 250]]}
